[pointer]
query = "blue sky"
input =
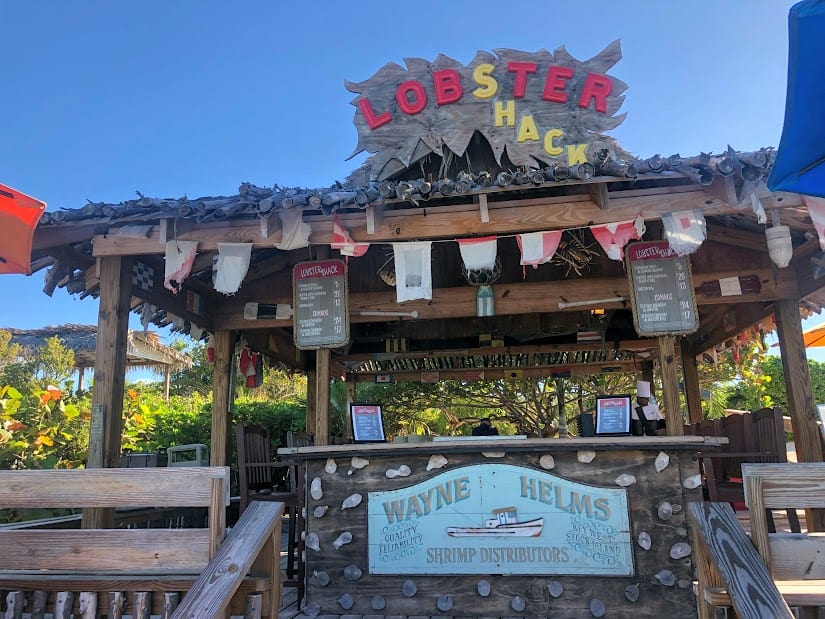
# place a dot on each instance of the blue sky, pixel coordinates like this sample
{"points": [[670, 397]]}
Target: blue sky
{"points": [[102, 99]]}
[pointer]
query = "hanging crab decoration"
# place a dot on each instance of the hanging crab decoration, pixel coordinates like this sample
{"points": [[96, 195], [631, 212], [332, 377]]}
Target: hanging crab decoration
{"points": [[386, 272]]}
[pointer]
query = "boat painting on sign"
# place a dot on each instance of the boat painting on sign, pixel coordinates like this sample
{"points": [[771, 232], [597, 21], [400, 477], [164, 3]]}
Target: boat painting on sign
{"points": [[506, 524], [500, 519]]}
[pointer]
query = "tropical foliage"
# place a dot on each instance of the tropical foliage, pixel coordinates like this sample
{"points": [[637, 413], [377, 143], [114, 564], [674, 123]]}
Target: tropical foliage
{"points": [[44, 424]]}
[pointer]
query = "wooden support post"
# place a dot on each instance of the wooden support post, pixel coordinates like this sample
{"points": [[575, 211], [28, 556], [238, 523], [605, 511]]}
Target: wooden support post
{"points": [[221, 396], [690, 372], [599, 194], [110, 375], [322, 365], [311, 386], [270, 224], [482, 208], [670, 385], [352, 387], [798, 383], [375, 216], [167, 382]]}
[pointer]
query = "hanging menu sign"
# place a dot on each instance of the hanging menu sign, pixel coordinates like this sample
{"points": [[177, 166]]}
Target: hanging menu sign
{"points": [[661, 290], [321, 313]]}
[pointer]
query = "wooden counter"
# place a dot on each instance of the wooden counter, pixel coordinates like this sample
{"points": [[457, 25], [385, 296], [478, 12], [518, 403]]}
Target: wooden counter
{"points": [[502, 528]]}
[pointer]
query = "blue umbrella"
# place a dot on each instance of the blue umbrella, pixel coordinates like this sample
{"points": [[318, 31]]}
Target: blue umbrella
{"points": [[800, 159]]}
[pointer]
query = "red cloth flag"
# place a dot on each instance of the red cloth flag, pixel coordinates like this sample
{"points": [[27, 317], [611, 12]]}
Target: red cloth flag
{"points": [[342, 241], [613, 237]]}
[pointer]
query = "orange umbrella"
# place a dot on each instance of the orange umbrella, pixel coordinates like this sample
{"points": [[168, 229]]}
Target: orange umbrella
{"points": [[814, 337], [19, 215]]}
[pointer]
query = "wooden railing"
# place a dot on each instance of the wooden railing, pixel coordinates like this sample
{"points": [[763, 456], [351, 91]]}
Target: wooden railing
{"points": [[726, 559], [138, 571], [254, 540]]}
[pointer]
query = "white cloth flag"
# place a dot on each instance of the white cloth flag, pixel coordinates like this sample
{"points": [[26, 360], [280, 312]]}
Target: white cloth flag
{"points": [[816, 209], [478, 254], [179, 258], [294, 232], [413, 271], [685, 231], [232, 265], [538, 247]]}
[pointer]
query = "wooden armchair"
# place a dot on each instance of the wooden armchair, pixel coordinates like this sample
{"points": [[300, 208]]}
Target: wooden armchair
{"points": [[752, 437], [260, 479]]}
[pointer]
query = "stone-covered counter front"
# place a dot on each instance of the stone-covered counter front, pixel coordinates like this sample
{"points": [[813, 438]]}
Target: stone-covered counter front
{"points": [[502, 528]]}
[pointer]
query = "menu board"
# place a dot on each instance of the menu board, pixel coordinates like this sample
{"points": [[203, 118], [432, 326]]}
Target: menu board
{"points": [[613, 414], [367, 423], [320, 301], [661, 290]]}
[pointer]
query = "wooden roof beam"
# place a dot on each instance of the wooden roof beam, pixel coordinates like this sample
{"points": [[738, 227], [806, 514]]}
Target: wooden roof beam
{"points": [[512, 298], [444, 222]]}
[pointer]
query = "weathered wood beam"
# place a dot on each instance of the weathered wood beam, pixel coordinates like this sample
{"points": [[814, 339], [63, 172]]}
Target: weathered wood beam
{"points": [[322, 378], [797, 381], [506, 217], [670, 385], [737, 238], [270, 224], [110, 371], [222, 394], [690, 372], [374, 215], [512, 298], [599, 194], [54, 236], [483, 209]]}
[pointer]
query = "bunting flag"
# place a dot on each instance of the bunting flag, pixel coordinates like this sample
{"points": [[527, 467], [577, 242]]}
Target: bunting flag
{"points": [[294, 231], [233, 263], [685, 231], [179, 258], [613, 237], [413, 271], [210, 348], [538, 247], [478, 254], [816, 209], [143, 276], [250, 365], [342, 241]]}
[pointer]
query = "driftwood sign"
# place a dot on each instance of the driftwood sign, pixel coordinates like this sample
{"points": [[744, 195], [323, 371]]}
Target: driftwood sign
{"points": [[539, 107]]}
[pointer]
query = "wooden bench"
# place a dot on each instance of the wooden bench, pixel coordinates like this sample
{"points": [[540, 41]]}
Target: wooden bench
{"points": [[794, 562], [138, 571]]}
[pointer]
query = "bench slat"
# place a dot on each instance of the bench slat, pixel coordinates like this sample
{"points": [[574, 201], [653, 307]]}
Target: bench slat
{"points": [[117, 550], [785, 485], [138, 487], [798, 556]]}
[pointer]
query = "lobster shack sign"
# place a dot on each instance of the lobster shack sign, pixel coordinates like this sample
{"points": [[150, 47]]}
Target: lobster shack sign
{"points": [[538, 107]]}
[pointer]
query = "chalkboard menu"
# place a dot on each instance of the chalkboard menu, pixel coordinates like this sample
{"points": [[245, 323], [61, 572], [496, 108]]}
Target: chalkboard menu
{"points": [[367, 423], [321, 313], [613, 414], [661, 290]]}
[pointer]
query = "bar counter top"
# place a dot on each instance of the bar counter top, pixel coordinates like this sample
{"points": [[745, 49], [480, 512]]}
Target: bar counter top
{"points": [[497, 444]]}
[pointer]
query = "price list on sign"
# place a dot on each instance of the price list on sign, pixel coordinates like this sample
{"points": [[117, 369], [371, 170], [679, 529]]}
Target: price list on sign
{"points": [[320, 301], [661, 290]]}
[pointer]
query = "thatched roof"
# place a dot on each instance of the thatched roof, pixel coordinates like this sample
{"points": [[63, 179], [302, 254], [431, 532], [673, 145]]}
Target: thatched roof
{"points": [[143, 349]]}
